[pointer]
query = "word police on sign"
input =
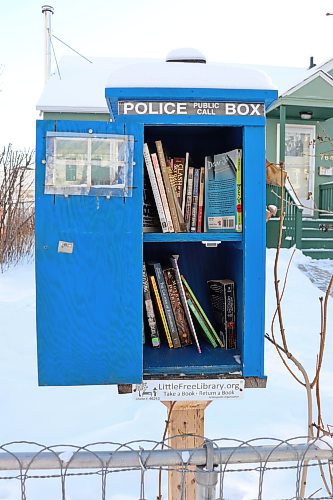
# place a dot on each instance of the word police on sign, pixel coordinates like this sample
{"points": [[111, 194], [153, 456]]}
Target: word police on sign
{"points": [[190, 108], [189, 390]]}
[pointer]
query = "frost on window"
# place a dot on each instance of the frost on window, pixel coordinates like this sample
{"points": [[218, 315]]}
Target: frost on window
{"points": [[85, 164]]}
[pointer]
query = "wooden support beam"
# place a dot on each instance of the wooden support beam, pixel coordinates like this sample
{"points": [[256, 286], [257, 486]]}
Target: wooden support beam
{"points": [[187, 417]]}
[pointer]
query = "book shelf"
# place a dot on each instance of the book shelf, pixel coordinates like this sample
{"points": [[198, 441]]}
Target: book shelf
{"points": [[220, 256], [90, 297]]}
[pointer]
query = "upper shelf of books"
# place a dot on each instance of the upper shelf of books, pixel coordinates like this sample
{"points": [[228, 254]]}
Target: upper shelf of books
{"points": [[192, 183]]}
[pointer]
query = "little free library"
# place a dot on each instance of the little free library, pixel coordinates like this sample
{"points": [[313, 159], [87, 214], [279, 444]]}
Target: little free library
{"points": [[150, 224]]}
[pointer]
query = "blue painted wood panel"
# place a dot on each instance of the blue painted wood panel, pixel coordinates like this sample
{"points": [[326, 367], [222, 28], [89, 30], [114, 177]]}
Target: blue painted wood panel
{"points": [[89, 303], [254, 248]]}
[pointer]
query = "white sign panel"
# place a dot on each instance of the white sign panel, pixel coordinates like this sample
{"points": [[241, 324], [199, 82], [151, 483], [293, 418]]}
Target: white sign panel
{"points": [[189, 390]]}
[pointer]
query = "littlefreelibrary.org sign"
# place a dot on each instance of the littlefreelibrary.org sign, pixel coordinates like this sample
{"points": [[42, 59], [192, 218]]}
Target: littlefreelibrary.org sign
{"points": [[189, 390]]}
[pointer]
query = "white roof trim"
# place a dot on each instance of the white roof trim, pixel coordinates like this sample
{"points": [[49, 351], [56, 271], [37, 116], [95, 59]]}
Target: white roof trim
{"points": [[315, 75], [326, 66], [71, 109]]}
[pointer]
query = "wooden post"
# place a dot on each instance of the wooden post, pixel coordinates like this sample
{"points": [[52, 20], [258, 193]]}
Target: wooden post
{"points": [[187, 417]]}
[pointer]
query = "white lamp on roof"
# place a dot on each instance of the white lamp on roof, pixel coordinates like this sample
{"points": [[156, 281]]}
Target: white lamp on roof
{"points": [[186, 55]]}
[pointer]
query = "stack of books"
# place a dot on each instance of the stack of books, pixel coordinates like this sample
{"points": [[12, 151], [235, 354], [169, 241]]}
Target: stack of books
{"points": [[173, 312], [192, 198]]}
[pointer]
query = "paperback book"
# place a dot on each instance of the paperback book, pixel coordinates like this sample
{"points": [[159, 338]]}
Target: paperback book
{"points": [[222, 294], [223, 192], [151, 221], [152, 323]]}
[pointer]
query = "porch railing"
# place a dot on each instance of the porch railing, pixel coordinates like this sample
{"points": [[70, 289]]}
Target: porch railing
{"points": [[292, 224], [326, 197]]}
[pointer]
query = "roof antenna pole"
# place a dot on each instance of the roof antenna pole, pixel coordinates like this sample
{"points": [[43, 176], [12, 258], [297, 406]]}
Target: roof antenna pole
{"points": [[47, 10]]}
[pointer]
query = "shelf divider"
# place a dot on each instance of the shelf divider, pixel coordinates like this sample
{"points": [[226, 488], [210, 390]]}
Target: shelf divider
{"points": [[170, 237]]}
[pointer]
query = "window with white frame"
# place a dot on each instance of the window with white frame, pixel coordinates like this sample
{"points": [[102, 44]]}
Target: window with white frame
{"points": [[85, 164]]}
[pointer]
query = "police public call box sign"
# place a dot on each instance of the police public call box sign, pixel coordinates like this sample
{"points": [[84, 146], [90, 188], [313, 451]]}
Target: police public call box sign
{"points": [[192, 108], [189, 390]]}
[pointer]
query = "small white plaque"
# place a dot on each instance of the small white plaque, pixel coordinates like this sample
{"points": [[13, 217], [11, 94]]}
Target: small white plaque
{"points": [[326, 171], [65, 247], [189, 390]]}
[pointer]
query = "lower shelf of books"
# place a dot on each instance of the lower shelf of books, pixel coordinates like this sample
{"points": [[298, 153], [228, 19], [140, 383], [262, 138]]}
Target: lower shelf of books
{"points": [[188, 362], [193, 308]]}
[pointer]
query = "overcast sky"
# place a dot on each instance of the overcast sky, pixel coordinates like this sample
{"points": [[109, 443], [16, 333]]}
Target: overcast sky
{"points": [[284, 32]]}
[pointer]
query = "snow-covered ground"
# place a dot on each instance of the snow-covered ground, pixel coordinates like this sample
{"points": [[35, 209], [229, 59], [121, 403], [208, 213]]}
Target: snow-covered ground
{"points": [[83, 415]]}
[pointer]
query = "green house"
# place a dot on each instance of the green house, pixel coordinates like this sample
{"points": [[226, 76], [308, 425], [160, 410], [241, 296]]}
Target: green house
{"points": [[299, 132]]}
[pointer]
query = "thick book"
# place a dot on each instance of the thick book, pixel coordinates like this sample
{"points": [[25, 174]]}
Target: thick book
{"points": [[177, 307], [151, 221], [222, 294], [167, 185], [178, 168], [161, 189], [201, 199], [222, 191], [154, 186], [188, 203], [190, 295], [158, 272], [153, 330], [195, 200], [186, 167], [159, 308], [174, 263]]}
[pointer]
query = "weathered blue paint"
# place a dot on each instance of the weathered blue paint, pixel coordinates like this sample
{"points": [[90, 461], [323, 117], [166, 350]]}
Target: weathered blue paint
{"points": [[89, 303]]}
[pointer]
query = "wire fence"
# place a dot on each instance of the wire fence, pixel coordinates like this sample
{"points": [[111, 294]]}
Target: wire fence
{"points": [[223, 469]]}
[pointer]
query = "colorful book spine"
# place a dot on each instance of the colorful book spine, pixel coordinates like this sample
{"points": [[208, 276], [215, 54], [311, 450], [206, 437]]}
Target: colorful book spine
{"points": [[188, 206], [186, 167], [177, 307], [174, 263], [201, 199], [190, 295], [178, 173], [161, 310], [161, 189], [156, 193], [195, 200], [154, 334], [167, 185], [166, 303], [239, 205], [201, 322]]}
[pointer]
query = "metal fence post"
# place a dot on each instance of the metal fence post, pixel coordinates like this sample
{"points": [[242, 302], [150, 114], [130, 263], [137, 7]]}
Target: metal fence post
{"points": [[206, 484], [206, 477]]}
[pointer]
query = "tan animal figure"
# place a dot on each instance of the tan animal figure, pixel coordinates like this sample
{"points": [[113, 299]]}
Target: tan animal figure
{"points": [[273, 174]]}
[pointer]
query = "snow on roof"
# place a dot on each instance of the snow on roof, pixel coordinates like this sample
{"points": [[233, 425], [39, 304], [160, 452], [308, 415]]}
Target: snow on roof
{"points": [[81, 85], [189, 75]]}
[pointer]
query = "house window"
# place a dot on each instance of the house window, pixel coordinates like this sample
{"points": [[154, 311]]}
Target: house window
{"points": [[84, 164], [300, 162]]}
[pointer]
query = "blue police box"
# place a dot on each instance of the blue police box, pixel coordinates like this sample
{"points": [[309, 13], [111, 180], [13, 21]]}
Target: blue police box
{"points": [[90, 243]]}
